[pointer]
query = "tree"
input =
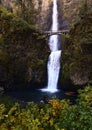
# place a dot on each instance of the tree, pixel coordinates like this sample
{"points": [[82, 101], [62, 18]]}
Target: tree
{"points": [[26, 10]]}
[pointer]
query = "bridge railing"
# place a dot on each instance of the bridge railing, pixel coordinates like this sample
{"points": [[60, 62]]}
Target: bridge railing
{"points": [[56, 32]]}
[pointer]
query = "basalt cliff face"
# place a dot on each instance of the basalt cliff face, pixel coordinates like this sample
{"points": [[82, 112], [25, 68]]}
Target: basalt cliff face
{"points": [[45, 11], [68, 10]]}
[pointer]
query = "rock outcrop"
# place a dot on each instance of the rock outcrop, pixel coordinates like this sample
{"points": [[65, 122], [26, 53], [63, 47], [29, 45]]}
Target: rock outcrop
{"points": [[70, 10], [45, 12]]}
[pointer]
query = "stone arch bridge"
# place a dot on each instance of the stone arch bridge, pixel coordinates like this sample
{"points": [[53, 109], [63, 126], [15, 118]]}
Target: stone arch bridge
{"points": [[59, 32]]}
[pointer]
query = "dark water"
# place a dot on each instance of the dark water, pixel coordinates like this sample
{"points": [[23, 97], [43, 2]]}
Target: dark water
{"points": [[37, 95]]}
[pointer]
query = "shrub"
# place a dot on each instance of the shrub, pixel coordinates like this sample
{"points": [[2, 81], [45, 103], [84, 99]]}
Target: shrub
{"points": [[55, 115]]}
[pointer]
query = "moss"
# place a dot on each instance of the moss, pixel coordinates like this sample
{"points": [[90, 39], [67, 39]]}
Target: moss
{"points": [[3, 56]]}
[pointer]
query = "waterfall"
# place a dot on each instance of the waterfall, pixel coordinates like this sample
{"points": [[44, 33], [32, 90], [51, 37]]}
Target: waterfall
{"points": [[53, 65]]}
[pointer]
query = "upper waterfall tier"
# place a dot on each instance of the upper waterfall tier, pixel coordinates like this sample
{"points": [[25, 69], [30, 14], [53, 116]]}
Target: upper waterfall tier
{"points": [[53, 41], [55, 17]]}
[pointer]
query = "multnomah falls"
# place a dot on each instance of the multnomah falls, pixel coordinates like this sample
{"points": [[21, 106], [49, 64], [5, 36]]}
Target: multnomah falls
{"points": [[53, 65], [45, 64]]}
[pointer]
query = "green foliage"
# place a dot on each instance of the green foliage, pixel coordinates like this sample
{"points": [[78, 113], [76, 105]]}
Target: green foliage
{"points": [[20, 50], [26, 10], [85, 97], [79, 116], [76, 51], [55, 115]]}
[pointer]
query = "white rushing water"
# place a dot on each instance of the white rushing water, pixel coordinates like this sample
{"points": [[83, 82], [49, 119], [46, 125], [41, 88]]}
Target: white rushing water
{"points": [[53, 65]]}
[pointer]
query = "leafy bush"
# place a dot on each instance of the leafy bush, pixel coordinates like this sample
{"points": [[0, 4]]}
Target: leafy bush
{"points": [[55, 115]]}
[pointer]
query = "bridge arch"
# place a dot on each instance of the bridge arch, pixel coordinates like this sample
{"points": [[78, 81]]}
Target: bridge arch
{"points": [[59, 32]]}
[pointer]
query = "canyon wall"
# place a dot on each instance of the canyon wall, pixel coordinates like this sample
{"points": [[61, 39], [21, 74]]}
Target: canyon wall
{"points": [[68, 10], [45, 15], [42, 8], [76, 50]]}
